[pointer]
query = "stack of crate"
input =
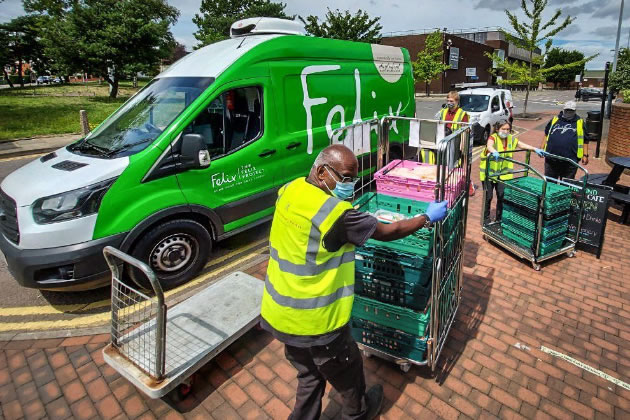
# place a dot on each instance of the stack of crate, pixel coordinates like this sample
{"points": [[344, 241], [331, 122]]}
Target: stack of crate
{"points": [[393, 281], [520, 214]]}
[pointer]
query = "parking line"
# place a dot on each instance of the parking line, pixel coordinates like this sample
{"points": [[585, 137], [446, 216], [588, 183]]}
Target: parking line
{"points": [[82, 307], [586, 367], [90, 320]]}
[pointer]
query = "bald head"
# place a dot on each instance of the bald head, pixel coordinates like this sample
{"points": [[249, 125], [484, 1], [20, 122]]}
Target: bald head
{"points": [[331, 165]]}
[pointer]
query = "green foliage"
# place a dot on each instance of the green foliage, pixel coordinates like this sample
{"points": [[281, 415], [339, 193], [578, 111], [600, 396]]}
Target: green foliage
{"points": [[217, 16], [626, 96], [107, 38], [19, 41], [557, 56], [429, 64], [359, 27], [620, 79], [529, 35]]}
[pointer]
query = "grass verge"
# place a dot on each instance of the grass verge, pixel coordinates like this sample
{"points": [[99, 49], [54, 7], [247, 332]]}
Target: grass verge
{"points": [[49, 110]]}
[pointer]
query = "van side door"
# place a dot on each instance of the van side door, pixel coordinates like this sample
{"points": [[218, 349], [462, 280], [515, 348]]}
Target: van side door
{"points": [[240, 182]]}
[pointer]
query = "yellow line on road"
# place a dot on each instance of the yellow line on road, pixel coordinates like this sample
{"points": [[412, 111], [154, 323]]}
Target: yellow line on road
{"points": [[82, 307], [90, 320]]}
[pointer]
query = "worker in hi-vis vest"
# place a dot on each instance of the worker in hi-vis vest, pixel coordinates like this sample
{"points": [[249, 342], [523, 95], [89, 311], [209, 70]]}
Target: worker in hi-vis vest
{"points": [[309, 289], [451, 115], [564, 136], [501, 140]]}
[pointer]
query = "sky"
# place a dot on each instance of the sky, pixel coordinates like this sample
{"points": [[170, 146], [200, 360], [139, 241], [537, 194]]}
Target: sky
{"points": [[594, 30]]}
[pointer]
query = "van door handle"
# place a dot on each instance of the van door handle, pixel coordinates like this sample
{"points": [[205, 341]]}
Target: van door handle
{"points": [[267, 152], [293, 145]]}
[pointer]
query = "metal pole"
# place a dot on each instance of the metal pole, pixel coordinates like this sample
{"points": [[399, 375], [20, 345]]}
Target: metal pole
{"points": [[601, 117], [618, 35]]}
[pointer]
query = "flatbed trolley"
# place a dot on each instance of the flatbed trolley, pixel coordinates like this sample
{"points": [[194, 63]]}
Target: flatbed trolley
{"points": [[492, 230], [159, 349], [453, 164]]}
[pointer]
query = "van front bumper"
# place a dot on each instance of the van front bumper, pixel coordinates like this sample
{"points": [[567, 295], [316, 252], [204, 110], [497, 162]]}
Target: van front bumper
{"points": [[66, 268]]}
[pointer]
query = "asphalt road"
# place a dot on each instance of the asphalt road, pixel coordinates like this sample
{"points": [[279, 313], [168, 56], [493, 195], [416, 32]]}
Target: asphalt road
{"points": [[40, 310]]}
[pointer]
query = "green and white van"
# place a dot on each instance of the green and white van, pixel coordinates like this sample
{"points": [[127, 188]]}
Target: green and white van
{"points": [[196, 156]]}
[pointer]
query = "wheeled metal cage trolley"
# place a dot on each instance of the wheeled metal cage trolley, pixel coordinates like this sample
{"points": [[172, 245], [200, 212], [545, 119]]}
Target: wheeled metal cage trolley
{"points": [[535, 228], [407, 292], [157, 348]]}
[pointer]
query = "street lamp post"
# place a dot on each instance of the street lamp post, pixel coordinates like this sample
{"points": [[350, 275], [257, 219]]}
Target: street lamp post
{"points": [[614, 67]]}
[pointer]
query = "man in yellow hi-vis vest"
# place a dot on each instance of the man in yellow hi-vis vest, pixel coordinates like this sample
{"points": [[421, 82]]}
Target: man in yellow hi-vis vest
{"points": [[564, 136], [309, 289]]}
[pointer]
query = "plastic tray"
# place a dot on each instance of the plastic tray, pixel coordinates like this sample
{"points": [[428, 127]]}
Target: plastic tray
{"points": [[388, 340], [404, 319], [380, 252], [557, 197], [394, 292], [546, 247], [416, 189], [528, 220]]}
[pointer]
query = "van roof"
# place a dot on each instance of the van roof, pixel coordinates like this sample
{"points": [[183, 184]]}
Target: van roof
{"points": [[479, 91], [213, 59]]}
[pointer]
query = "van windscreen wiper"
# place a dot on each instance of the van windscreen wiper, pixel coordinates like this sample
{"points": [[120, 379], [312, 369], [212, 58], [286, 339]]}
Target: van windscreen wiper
{"points": [[86, 145], [126, 147]]}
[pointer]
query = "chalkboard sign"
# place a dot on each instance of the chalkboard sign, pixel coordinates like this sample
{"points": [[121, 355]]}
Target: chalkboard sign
{"points": [[594, 215]]}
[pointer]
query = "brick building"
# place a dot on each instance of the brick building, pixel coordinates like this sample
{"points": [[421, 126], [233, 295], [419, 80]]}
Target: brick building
{"points": [[465, 51]]}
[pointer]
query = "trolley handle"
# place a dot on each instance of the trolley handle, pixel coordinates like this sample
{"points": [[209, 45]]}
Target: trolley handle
{"points": [[110, 253]]}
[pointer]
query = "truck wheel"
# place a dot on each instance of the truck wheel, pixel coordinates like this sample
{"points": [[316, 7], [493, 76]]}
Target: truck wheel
{"points": [[176, 251], [486, 134]]}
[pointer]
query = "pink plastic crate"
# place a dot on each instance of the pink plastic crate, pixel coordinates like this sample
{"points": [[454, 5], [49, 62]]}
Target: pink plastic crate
{"points": [[400, 185]]}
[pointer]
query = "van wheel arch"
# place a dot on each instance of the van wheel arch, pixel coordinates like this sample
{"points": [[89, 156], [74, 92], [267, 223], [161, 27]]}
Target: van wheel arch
{"points": [[203, 215]]}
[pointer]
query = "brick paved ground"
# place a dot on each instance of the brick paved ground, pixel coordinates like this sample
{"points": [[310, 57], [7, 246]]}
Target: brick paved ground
{"points": [[492, 365]]}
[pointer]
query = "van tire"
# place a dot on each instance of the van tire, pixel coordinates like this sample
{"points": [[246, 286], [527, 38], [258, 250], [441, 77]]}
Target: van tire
{"points": [[486, 134], [175, 250]]}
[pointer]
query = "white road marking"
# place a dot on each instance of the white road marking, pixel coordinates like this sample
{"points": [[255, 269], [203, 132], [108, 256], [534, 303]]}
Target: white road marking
{"points": [[586, 367]]}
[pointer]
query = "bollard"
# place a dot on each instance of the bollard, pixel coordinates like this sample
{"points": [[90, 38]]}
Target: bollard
{"points": [[85, 126]]}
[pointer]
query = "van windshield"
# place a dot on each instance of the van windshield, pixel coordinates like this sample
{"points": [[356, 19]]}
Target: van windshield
{"points": [[143, 117], [474, 103]]}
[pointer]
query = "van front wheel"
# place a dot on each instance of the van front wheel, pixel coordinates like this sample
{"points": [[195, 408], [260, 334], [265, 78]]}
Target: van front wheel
{"points": [[176, 251]]}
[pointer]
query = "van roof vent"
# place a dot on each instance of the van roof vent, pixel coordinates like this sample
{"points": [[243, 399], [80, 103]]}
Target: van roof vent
{"points": [[263, 25]]}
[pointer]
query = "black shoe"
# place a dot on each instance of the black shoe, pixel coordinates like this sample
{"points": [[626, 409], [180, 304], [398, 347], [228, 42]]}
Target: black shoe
{"points": [[373, 400]]}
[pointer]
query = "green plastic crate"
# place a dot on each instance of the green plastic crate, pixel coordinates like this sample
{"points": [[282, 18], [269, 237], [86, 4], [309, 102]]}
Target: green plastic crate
{"points": [[394, 292], [546, 247], [548, 233], [389, 340], [419, 243], [404, 319], [376, 251], [528, 220], [557, 197]]}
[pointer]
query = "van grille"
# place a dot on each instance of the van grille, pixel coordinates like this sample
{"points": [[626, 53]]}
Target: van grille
{"points": [[8, 218]]}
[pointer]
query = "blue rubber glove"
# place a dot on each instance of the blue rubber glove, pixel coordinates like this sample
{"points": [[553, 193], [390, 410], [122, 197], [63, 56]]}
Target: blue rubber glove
{"points": [[437, 211], [540, 152], [495, 155]]}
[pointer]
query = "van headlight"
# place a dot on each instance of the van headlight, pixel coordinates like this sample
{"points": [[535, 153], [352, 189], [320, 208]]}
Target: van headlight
{"points": [[71, 204]]}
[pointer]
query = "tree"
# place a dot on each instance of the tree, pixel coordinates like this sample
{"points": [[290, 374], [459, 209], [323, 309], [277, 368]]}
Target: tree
{"points": [[620, 79], [217, 16], [429, 63], [179, 51], [22, 44], [108, 38], [342, 25], [529, 35], [559, 56]]}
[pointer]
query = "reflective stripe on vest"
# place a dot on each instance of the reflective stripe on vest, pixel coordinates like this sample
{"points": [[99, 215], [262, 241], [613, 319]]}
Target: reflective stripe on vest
{"points": [[428, 155], [580, 136], [308, 290], [495, 166]]}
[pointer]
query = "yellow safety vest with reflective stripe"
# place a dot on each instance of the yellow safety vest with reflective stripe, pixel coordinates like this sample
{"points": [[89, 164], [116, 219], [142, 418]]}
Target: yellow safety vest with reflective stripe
{"points": [[308, 290], [580, 136], [428, 155], [497, 166]]}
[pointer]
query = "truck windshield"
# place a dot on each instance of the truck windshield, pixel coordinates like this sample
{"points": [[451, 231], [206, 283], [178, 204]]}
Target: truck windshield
{"points": [[474, 103], [143, 117]]}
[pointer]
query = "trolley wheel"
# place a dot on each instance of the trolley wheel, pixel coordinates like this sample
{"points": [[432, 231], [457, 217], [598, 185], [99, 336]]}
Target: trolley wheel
{"points": [[185, 388], [571, 254], [536, 266], [405, 367], [485, 237]]}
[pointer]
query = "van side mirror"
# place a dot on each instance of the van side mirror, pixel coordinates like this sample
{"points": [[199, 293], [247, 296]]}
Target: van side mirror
{"points": [[194, 154], [495, 108]]}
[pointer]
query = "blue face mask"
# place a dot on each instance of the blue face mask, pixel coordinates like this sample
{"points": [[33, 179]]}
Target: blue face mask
{"points": [[342, 190]]}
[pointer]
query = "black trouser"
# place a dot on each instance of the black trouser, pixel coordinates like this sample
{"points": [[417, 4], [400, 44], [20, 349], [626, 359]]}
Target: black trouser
{"points": [[559, 169], [488, 186], [339, 363]]}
